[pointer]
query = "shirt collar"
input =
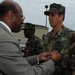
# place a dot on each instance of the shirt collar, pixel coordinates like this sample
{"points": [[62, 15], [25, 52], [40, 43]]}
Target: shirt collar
{"points": [[6, 26]]}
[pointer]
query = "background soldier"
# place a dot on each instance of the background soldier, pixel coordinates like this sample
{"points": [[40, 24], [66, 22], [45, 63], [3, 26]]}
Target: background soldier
{"points": [[59, 37], [33, 45]]}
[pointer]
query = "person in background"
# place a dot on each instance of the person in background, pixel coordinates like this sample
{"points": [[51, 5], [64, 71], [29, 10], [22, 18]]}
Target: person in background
{"points": [[58, 37], [33, 45], [11, 60]]}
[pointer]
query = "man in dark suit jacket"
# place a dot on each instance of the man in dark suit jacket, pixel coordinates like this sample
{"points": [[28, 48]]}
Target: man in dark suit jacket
{"points": [[11, 60]]}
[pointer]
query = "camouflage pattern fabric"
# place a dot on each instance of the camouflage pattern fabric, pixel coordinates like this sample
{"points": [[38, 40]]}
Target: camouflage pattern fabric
{"points": [[69, 55], [72, 52], [60, 43], [33, 47], [55, 8]]}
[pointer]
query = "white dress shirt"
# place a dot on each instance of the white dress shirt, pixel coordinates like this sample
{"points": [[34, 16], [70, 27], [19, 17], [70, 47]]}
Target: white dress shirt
{"points": [[6, 26]]}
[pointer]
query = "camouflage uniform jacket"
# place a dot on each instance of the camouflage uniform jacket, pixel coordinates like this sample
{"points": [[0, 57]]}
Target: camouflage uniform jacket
{"points": [[69, 56], [72, 53], [60, 43], [33, 46]]}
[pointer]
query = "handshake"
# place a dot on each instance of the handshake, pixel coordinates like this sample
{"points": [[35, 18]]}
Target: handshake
{"points": [[53, 55]]}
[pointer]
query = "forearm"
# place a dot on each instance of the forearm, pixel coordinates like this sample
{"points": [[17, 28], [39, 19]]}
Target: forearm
{"points": [[19, 66], [32, 60]]}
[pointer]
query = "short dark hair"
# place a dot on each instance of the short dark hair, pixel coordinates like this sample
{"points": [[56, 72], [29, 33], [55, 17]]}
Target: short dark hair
{"points": [[5, 8], [63, 15]]}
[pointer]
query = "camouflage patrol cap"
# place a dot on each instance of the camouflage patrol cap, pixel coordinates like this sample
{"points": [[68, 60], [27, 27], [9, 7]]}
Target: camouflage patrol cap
{"points": [[55, 8], [28, 26]]}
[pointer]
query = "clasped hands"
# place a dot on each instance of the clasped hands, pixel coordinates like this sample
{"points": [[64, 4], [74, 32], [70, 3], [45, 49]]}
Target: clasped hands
{"points": [[56, 56]]}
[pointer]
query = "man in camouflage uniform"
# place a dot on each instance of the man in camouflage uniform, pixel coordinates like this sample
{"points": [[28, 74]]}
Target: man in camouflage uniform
{"points": [[58, 38], [33, 45]]}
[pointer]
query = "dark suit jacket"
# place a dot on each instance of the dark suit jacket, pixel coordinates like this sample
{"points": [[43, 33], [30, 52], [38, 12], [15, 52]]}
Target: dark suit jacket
{"points": [[12, 62]]}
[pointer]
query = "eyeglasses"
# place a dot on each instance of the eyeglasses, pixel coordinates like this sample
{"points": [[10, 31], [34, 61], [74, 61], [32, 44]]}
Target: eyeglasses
{"points": [[23, 18]]}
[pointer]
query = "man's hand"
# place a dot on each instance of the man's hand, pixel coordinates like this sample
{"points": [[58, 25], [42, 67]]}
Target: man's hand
{"points": [[56, 56], [44, 56]]}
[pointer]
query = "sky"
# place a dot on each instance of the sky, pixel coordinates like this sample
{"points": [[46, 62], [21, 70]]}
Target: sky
{"points": [[33, 11]]}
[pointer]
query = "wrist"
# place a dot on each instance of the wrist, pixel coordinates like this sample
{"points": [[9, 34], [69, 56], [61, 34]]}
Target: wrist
{"points": [[37, 60], [53, 60]]}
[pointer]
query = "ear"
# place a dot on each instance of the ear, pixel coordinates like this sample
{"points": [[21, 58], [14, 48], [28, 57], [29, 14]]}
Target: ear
{"points": [[11, 14], [61, 16]]}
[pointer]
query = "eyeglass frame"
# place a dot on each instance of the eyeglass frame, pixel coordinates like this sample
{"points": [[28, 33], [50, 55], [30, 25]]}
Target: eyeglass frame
{"points": [[23, 18]]}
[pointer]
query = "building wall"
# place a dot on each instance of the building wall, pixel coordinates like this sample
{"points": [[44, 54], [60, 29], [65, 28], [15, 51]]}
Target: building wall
{"points": [[40, 31]]}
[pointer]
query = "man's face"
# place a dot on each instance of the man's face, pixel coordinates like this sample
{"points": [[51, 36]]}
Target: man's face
{"points": [[54, 19], [28, 33], [17, 21]]}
